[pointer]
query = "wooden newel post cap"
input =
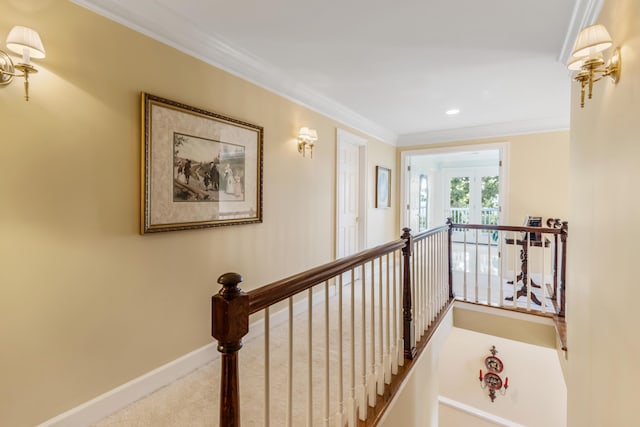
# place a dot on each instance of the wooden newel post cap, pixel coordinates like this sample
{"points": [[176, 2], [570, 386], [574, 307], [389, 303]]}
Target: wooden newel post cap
{"points": [[407, 236], [230, 284], [229, 314]]}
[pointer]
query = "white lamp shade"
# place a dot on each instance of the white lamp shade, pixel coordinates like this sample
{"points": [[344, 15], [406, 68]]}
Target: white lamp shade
{"points": [[575, 63], [591, 40], [313, 135], [21, 38], [304, 133]]}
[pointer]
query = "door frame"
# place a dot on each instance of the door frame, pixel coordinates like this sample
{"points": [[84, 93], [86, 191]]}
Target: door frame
{"points": [[345, 137], [503, 149]]}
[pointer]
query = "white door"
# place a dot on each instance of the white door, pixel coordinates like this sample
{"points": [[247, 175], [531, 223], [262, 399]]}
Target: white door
{"points": [[348, 214], [350, 194]]}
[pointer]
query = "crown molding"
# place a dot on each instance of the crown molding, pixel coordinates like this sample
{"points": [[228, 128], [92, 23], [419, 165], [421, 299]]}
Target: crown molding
{"points": [[171, 28], [585, 13], [549, 124]]}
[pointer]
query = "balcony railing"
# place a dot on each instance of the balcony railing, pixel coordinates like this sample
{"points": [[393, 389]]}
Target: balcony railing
{"points": [[350, 330], [488, 216]]}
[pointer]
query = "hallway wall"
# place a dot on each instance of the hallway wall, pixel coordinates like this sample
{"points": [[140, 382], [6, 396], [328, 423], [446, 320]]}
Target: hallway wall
{"points": [[86, 303], [602, 313], [538, 176]]}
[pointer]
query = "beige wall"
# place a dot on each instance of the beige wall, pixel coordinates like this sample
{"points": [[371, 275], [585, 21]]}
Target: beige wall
{"points": [[538, 173], [416, 403], [86, 303], [602, 313], [536, 396]]}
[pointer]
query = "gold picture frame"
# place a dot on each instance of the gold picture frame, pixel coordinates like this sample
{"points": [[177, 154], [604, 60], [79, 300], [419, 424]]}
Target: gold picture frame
{"points": [[383, 187], [199, 169]]}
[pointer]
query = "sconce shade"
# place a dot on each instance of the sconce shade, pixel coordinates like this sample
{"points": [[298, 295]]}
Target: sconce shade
{"points": [[313, 135], [304, 133], [577, 63], [591, 40], [21, 38]]}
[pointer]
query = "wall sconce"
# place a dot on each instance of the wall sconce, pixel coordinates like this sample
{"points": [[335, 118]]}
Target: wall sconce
{"points": [[306, 139], [588, 61], [26, 42], [491, 379]]}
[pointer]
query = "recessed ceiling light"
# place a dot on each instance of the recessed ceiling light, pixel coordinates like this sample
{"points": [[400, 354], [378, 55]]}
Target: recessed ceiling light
{"points": [[452, 112]]}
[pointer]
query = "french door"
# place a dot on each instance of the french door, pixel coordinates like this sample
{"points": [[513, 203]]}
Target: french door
{"points": [[473, 196]]}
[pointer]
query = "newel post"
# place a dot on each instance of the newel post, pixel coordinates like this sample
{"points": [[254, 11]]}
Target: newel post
{"points": [[450, 255], [563, 274], [407, 324], [229, 323]]}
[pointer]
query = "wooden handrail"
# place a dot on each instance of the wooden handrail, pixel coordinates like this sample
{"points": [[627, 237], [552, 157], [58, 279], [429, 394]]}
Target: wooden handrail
{"points": [[425, 234], [508, 228], [267, 295], [231, 307]]}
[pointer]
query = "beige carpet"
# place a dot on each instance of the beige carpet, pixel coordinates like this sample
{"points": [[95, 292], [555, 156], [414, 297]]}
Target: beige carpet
{"points": [[193, 400]]}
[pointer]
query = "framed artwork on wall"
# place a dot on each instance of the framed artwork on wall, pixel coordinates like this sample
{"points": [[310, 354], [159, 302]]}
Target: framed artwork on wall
{"points": [[199, 169], [383, 187]]}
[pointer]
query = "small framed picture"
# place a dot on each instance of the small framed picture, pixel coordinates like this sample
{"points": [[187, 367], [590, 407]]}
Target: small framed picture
{"points": [[199, 169], [383, 187]]}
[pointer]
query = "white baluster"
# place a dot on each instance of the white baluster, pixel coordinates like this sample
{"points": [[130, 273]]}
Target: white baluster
{"points": [[362, 403], [387, 365], [528, 284], [371, 381], [396, 311], [476, 265], [352, 354], [340, 416], [515, 269], [380, 365], [489, 267], [290, 367], [464, 272], [543, 279], [326, 354], [267, 357], [500, 259]]}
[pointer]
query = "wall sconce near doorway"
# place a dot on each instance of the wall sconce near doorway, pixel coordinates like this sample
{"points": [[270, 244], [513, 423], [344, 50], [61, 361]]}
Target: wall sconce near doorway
{"points": [[306, 140], [492, 379], [587, 59], [26, 42]]}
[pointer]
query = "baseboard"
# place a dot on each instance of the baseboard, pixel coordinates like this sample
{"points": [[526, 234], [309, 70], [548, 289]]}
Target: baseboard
{"points": [[478, 413], [112, 401]]}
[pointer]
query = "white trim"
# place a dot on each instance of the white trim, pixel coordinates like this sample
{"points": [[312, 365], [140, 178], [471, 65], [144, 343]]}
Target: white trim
{"points": [[478, 413], [170, 27], [112, 401], [550, 124], [585, 13], [499, 312], [502, 147]]}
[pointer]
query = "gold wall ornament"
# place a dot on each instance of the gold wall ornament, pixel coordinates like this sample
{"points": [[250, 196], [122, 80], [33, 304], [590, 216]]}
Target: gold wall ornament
{"points": [[306, 140], [588, 61], [26, 42]]}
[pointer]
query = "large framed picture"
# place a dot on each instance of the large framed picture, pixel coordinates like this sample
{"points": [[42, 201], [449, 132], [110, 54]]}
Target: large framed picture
{"points": [[383, 187], [199, 169]]}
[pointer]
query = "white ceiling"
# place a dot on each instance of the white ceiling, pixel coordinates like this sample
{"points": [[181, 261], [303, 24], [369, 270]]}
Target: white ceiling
{"points": [[388, 68]]}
